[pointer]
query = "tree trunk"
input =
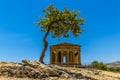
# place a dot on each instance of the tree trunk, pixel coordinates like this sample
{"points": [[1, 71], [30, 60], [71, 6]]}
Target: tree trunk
{"points": [[44, 48], [45, 44]]}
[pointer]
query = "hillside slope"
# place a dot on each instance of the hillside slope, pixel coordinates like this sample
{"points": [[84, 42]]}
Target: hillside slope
{"points": [[114, 64], [35, 70]]}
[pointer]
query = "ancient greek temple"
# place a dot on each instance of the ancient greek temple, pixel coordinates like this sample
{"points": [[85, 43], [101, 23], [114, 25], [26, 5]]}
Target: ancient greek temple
{"points": [[65, 54]]}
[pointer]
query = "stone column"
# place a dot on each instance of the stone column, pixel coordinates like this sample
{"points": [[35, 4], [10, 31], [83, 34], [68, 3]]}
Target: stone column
{"points": [[79, 57], [56, 57], [51, 55], [72, 57], [61, 57], [67, 55]]}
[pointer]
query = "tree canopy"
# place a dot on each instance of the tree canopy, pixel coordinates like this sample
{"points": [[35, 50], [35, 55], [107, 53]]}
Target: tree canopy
{"points": [[60, 22]]}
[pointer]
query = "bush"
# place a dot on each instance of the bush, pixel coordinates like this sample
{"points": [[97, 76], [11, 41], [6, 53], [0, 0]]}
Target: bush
{"points": [[114, 69], [99, 65], [102, 66], [95, 64], [118, 69]]}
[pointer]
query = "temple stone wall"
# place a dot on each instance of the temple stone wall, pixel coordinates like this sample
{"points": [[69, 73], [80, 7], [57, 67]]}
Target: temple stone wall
{"points": [[65, 54]]}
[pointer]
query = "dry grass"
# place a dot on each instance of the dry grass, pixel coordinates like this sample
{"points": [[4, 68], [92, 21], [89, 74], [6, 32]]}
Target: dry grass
{"points": [[96, 74]]}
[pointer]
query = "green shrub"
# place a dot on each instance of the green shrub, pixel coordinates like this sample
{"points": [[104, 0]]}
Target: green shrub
{"points": [[114, 69], [99, 65], [102, 66], [95, 64]]}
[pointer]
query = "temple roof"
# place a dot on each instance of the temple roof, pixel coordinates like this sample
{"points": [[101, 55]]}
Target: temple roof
{"points": [[66, 44]]}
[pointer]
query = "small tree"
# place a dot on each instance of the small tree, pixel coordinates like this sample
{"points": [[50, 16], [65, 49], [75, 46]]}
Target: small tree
{"points": [[103, 66], [99, 65], [95, 64], [59, 23]]}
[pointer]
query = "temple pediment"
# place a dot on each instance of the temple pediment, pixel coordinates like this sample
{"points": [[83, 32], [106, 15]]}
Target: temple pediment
{"points": [[66, 43]]}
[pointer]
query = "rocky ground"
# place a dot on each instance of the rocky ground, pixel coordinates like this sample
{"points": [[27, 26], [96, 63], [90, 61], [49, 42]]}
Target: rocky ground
{"points": [[35, 70]]}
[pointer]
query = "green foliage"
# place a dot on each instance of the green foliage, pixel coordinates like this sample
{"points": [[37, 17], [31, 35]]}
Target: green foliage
{"points": [[99, 65], [95, 64], [60, 22], [114, 69], [102, 66]]}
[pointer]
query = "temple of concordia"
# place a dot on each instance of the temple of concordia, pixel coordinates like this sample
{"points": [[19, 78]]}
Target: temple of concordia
{"points": [[65, 54]]}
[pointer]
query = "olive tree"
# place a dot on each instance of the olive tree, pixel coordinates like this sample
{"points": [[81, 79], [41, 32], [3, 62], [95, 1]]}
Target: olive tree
{"points": [[59, 23]]}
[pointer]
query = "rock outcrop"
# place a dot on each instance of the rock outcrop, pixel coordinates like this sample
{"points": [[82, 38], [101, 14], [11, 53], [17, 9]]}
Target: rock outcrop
{"points": [[36, 70]]}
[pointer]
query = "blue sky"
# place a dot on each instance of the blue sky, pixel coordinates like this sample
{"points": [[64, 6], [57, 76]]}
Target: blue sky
{"points": [[20, 37]]}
